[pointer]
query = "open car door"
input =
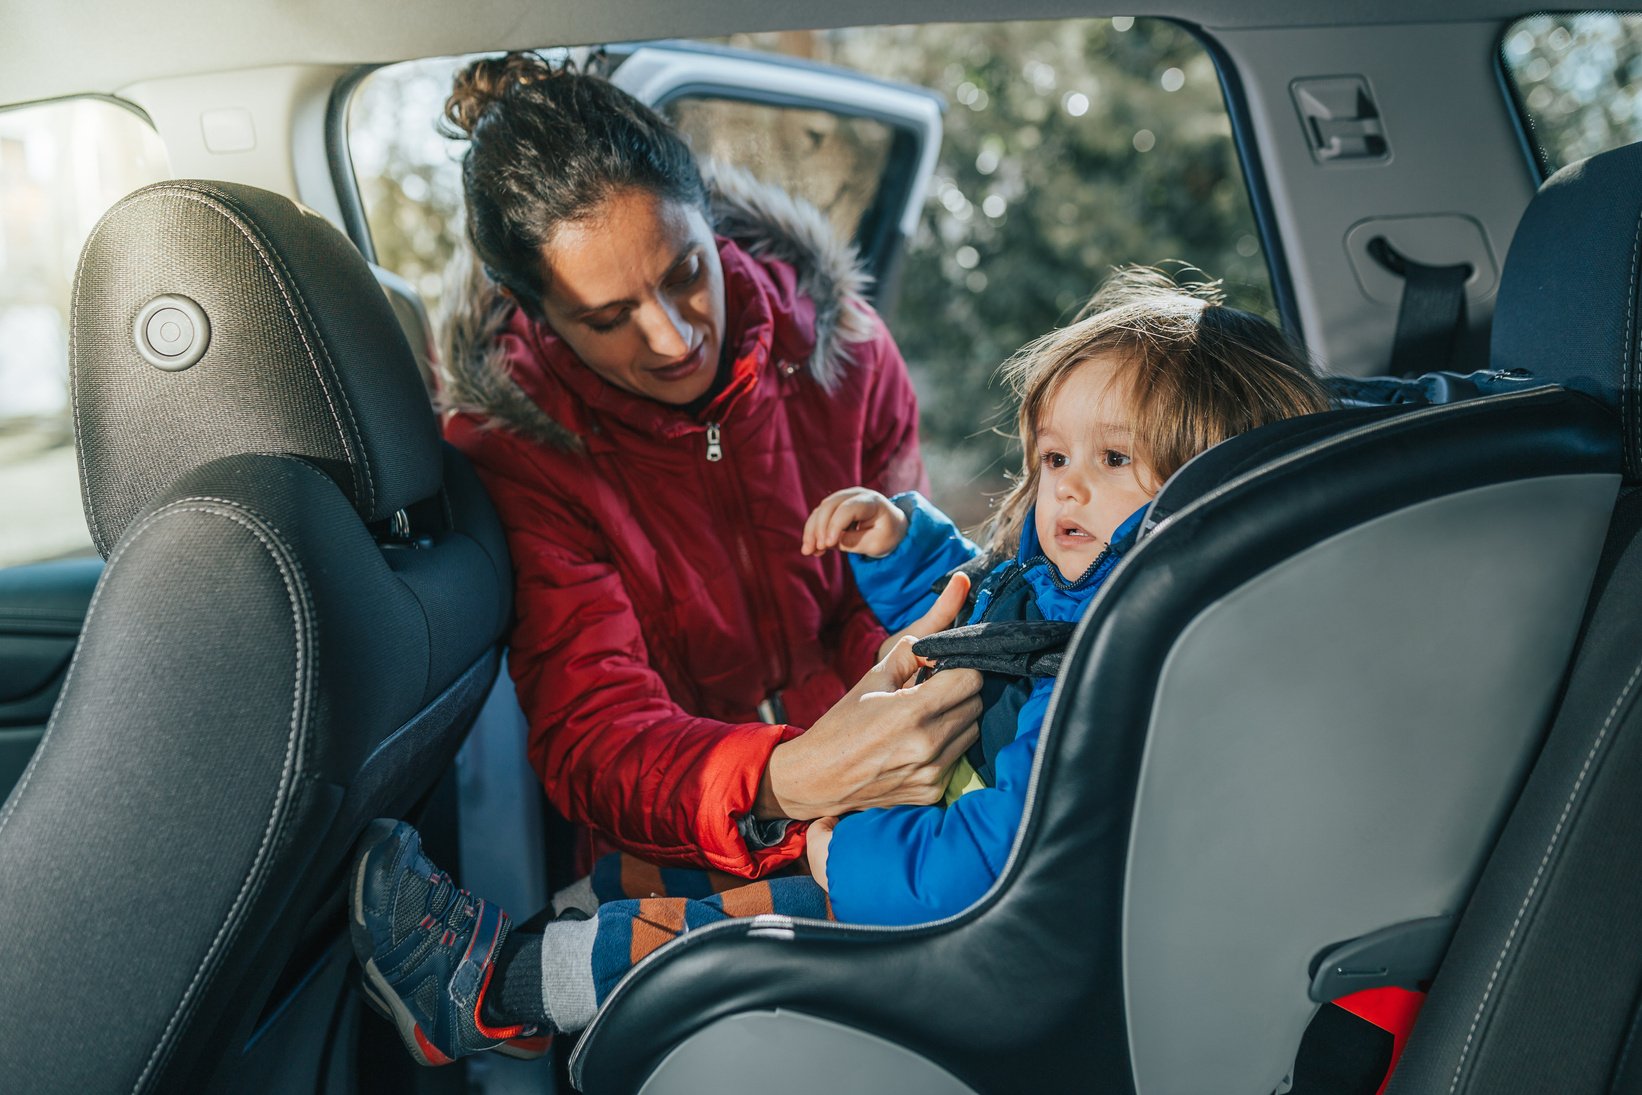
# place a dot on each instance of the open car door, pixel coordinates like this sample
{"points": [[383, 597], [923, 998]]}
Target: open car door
{"points": [[861, 149]]}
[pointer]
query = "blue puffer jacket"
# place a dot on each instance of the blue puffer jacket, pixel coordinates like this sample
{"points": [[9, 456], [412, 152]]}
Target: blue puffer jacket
{"points": [[913, 864]]}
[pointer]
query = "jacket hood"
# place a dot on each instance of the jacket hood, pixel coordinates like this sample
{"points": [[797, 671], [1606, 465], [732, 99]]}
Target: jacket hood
{"points": [[476, 375]]}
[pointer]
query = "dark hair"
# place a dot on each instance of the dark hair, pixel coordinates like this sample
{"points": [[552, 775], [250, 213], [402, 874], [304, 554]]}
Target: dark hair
{"points": [[549, 144]]}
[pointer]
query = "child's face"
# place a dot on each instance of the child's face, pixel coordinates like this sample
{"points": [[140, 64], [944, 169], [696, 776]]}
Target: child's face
{"points": [[1089, 476]]}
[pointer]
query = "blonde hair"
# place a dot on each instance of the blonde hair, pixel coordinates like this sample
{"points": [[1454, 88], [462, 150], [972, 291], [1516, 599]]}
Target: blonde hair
{"points": [[1197, 372]]}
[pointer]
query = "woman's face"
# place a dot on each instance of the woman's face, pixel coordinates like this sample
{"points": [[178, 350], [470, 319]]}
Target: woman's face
{"points": [[637, 291]]}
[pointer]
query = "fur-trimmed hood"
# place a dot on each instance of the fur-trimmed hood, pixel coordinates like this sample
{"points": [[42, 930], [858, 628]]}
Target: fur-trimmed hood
{"points": [[474, 370]]}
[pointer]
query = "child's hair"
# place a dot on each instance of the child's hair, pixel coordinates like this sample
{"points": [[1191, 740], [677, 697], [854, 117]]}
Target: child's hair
{"points": [[1197, 372]]}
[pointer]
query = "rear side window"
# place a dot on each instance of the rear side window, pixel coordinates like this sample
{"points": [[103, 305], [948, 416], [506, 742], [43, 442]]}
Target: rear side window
{"points": [[62, 165], [1577, 80]]}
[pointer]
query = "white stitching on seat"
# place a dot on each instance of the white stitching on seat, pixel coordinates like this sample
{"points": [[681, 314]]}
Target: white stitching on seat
{"points": [[1629, 364], [1533, 887], [302, 616], [296, 588]]}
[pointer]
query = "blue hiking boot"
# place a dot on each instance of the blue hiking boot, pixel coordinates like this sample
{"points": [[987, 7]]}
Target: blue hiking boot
{"points": [[427, 949]]}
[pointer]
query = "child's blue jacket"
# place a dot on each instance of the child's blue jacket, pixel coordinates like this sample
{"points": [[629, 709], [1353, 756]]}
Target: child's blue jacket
{"points": [[913, 864]]}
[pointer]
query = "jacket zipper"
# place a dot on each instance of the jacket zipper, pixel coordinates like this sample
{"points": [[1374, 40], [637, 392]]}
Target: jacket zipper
{"points": [[760, 601]]}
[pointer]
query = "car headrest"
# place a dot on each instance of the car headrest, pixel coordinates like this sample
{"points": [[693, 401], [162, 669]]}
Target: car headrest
{"points": [[213, 319], [1567, 310]]}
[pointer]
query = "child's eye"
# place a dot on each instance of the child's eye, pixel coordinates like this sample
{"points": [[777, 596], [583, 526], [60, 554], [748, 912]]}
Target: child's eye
{"points": [[1054, 459], [1114, 459]]}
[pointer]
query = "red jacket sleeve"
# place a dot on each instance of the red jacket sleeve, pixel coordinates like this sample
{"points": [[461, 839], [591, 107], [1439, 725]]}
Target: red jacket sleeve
{"points": [[890, 463], [613, 750]]}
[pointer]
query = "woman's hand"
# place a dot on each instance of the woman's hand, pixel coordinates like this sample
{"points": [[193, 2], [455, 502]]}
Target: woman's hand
{"points": [[817, 839], [888, 742], [941, 615], [857, 520]]}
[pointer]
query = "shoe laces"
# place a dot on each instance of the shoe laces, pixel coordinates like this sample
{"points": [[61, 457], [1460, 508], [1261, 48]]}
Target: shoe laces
{"points": [[448, 903]]}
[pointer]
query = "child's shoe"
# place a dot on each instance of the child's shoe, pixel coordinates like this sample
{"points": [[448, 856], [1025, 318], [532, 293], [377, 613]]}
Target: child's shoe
{"points": [[427, 948]]}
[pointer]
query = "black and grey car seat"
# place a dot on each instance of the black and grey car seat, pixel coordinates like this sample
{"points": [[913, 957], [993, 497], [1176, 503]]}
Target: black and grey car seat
{"points": [[300, 614], [1285, 740], [1541, 990]]}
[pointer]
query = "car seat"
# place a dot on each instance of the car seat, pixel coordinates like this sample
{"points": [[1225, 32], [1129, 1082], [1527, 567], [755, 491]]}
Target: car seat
{"points": [[1540, 990], [1287, 734], [300, 615]]}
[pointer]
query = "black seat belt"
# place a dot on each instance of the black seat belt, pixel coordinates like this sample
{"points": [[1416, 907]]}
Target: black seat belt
{"points": [[1431, 318]]}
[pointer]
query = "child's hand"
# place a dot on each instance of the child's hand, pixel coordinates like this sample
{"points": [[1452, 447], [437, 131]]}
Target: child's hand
{"points": [[817, 840], [856, 520]]}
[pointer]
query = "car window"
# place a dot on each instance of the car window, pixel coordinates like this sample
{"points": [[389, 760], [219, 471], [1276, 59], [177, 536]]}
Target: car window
{"points": [[1577, 80], [62, 164], [1069, 147]]}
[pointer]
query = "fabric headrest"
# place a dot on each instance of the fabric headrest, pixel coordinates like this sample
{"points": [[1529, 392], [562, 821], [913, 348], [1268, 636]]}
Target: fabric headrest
{"points": [[1568, 309], [213, 319]]}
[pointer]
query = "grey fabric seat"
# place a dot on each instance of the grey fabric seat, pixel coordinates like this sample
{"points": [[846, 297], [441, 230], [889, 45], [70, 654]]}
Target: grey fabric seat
{"points": [[1285, 741], [1540, 990], [299, 617]]}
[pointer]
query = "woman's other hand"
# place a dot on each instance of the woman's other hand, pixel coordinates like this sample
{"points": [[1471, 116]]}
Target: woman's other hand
{"points": [[888, 742], [857, 520], [817, 839]]}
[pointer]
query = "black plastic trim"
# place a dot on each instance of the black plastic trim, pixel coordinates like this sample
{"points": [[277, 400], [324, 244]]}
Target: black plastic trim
{"points": [[343, 180], [1522, 123], [1254, 180]]}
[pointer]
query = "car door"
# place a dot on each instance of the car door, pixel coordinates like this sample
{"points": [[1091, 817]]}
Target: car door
{"points": [[862, 150]]}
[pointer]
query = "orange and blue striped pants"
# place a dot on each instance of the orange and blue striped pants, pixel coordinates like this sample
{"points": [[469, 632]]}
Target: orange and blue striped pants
{"points": [[643, 907]]}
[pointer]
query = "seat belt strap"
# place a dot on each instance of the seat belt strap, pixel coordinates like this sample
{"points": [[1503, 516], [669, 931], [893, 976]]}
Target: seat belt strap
{"points": [[1431, 318]]}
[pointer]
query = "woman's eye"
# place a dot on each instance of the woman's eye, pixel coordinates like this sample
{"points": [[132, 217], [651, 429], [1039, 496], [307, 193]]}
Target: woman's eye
{"points": [[1054, 459], [1114, 459], [606, 326], [687, 274]]}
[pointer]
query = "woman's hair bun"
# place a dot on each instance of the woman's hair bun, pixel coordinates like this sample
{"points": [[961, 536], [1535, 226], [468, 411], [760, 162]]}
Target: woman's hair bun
{"points": [[488, 80]]}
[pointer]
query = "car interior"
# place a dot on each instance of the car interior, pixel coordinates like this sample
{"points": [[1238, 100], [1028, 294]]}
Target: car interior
{"points": [[1354, 728]]}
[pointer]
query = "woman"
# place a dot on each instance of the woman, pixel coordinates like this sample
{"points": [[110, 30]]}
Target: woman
{"points": [[655, 410]]}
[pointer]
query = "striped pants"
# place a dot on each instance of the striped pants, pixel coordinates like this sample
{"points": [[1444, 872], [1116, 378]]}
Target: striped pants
{"points": [[634, 908]]}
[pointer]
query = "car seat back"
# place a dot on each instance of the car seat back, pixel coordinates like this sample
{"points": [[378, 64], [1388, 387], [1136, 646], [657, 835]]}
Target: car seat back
{"points": [[298, 618], [1540, 989], [1293, 717]]}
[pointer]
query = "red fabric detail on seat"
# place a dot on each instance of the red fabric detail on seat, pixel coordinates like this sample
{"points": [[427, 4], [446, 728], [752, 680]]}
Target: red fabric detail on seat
{"points": [[1391, 1009]]}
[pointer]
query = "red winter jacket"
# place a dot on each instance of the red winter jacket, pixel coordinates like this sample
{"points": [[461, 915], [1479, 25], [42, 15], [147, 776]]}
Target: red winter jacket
{"points": [[660, 595]]}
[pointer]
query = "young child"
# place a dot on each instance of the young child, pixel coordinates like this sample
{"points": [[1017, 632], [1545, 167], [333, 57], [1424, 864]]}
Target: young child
{"points": [[1147, 377]]}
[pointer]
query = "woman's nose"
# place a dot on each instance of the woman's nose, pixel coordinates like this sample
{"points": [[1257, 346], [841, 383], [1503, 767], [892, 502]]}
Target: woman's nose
{"points": [[665, 331]]}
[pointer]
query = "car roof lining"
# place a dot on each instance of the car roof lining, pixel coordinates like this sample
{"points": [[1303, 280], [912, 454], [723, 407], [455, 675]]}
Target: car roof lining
{"points": [[138, 41]]}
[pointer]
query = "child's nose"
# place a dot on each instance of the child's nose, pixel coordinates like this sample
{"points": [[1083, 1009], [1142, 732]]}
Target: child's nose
{"points": [[1073, 486]]}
